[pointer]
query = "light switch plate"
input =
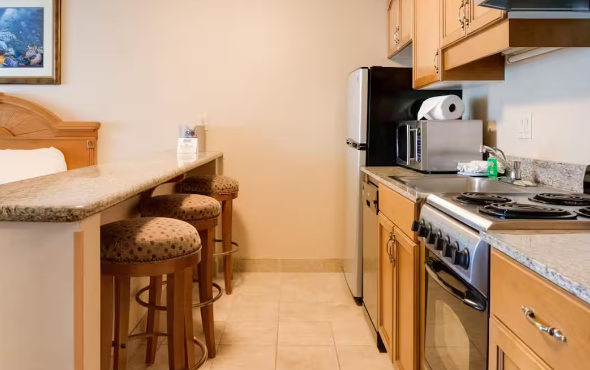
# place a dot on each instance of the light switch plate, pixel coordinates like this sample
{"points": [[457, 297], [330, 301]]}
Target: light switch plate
{"points": [[525, 126]]}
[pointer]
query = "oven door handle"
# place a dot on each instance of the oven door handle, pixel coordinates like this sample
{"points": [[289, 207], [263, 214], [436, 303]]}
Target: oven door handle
{"points": [[466, 297]]}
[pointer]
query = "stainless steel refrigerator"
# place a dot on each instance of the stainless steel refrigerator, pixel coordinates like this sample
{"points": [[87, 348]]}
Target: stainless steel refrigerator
{"points": [[378, 98]]}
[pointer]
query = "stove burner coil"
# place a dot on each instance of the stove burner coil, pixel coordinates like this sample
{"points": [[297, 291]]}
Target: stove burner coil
{"points": [[519, 211], [480, 199], [562, 199]]}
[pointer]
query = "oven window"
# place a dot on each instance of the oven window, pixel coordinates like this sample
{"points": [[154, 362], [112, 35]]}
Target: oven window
{"points": [[456, 334]]}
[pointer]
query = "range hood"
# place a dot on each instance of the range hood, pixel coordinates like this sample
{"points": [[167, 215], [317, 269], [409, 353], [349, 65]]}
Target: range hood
{"points": [[537, 5]]}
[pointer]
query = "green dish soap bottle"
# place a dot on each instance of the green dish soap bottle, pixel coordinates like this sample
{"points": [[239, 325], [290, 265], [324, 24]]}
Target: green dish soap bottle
{"points": [[492, 169]]}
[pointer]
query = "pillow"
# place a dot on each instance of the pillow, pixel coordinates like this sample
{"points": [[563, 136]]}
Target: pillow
{"points": [[16, 165]]}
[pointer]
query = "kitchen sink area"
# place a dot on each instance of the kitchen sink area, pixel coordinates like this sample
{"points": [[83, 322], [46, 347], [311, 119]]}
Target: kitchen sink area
{"points": [[460, 184]]}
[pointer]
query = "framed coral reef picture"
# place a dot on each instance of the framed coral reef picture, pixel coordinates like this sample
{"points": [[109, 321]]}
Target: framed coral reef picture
{"points": [[30, 45]]}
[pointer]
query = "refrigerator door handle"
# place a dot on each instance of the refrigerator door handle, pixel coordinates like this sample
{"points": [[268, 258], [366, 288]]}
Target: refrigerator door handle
{"points": [[353, 144]]}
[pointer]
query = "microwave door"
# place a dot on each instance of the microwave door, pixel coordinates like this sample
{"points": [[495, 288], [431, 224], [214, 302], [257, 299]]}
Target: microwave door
{"points": [[403, 145]]}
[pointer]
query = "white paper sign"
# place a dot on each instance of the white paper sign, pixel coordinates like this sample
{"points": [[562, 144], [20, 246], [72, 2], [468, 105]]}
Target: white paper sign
{"points": [[188, 145]]}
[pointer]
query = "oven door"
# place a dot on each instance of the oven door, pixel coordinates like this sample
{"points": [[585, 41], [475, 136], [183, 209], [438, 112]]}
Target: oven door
{"points": [[456, 321]]}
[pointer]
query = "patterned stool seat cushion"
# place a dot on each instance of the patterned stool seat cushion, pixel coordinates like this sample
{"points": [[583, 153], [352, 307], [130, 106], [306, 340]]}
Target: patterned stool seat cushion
{"points": [[147, 240], [209, 185], [183, 207]]}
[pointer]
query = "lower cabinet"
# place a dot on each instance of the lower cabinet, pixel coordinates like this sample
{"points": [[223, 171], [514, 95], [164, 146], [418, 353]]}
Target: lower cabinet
{"points": [[407, 289], [398, 295], [386, 284], [507, 352]]}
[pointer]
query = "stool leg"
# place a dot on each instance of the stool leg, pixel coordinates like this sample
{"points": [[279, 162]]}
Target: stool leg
{"points": [[153, 318], [206, 288], [106, 320], [189, 345], [226, 236], [175, 317], [122, 296]]}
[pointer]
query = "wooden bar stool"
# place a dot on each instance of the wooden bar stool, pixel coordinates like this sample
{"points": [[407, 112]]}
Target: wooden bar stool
{"points": [[148, 247], [200, 212], [225, 190]]}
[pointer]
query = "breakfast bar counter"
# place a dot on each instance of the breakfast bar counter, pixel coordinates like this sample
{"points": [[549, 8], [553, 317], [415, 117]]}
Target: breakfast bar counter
{"points": [[50, 246]]}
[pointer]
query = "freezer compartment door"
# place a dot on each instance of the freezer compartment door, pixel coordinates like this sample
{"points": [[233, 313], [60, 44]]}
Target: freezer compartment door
{"points": [[353, 242], [358, 88]]}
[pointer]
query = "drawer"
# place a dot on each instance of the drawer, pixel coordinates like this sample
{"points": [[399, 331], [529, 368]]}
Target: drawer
{"points": [[513, 287], [400, 210]]}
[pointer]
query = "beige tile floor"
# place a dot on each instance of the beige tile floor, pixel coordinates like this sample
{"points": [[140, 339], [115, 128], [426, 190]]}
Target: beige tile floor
{"points": [[284, 321]]}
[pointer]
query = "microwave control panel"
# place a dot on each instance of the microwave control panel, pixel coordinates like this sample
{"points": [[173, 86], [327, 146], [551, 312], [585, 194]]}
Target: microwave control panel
{"points": [[419, 145]]}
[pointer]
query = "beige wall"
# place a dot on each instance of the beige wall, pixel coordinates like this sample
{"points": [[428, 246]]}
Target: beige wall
{"points": [[269, 74], [555, 89]]}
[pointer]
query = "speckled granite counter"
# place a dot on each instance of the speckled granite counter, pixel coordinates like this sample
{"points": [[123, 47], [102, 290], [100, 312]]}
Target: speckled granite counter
{"points": [[77, 194], [381, 175], [562, 257]]}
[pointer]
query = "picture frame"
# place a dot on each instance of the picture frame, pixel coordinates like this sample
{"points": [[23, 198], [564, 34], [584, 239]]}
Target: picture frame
{"points": [[30, 42]]}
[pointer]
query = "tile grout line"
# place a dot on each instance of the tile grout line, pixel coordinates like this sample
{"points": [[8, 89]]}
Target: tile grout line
{"points": [[335, 346]]}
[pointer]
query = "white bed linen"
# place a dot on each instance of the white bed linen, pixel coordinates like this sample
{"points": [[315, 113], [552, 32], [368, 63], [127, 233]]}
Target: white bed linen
{"points": [[16, 165]]}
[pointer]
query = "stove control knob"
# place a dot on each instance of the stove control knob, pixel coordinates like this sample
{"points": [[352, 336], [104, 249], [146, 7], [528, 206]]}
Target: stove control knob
{"points": [[438, 241], [447, 250], [430, 236], [416, 225], [423, 230], [460, 258]]}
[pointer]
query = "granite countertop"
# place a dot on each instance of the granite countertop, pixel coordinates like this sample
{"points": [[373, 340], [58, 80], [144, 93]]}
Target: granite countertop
{"points": [[381, 175], [562, 257], [78, 194]]}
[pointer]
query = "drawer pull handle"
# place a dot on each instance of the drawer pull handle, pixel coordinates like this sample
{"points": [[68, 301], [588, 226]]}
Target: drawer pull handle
{"points": [[553, 332]]}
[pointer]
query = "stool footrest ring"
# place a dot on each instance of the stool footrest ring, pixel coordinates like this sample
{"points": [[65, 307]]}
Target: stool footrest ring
{"points": [[202, 346], [164, 308], [234, 250]]}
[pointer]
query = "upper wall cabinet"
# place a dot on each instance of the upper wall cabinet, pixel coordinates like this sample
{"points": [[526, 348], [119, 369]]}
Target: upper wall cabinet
{"points": [[426, 42], [399, 26], [463, 17], [457, 43], [433, 27], [478, 17], [452, 21]]}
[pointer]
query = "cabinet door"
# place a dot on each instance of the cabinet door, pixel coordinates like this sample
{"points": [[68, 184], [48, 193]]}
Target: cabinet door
{"points": [[407, 288], [386, 286], [426, 41], [507, 352], [406, 23], [452, 21], [393, 27], [479, 17]]}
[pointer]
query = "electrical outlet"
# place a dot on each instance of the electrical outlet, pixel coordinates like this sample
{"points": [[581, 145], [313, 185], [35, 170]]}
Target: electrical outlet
{"points": [[525, 126]]}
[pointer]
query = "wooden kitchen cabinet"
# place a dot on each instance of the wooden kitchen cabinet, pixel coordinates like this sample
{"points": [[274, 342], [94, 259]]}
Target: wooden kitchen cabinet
{"points": [[406, 22], [399, 279], [452, 21], [460, 18], [387, 294], [480, 17], [426, 41], [393, 26], [518, 298], [408, 311], [507, 352], [399, 26]]}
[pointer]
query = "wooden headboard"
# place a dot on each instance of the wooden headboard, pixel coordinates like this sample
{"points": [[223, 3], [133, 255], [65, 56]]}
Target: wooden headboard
{"points": [[26, 125]]}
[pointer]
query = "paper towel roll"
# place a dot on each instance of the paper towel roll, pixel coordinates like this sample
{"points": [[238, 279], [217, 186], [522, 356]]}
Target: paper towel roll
{"points": [[442, 107]]}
